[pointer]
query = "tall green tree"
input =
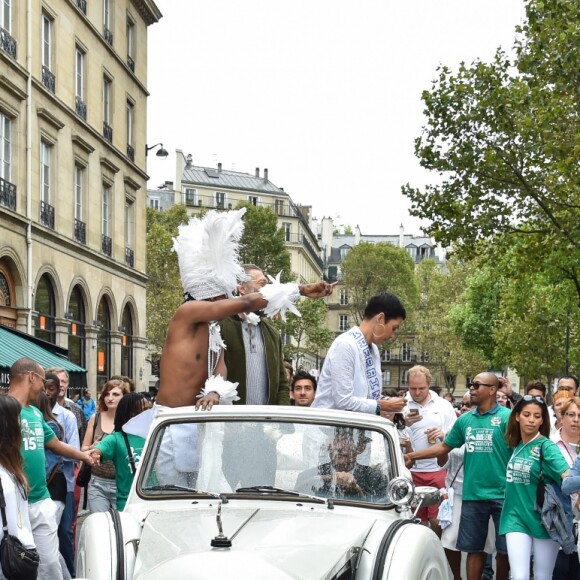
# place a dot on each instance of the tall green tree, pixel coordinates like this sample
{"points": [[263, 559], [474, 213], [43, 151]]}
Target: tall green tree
{"points": [[263, 242], [371, 268], [164, 291], [504, 140], [440, 291]]}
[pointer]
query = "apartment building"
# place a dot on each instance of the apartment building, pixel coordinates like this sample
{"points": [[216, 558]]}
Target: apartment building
{"points": [[73, 110]]}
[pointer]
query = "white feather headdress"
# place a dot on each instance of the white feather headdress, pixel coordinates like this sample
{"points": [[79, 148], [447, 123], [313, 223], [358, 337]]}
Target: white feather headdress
{"points": [[207, 250]]}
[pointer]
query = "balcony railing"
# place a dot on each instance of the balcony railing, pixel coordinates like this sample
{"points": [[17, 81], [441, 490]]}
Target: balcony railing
{"points": [[80, 231], [108, 132], [131, 152], [317, 259], [108, 36], [129, 257], [106, 245], [7, 194], [131, 63], [47, 215], [7, 43], [82, 6], [48, 79], [81, 108]]}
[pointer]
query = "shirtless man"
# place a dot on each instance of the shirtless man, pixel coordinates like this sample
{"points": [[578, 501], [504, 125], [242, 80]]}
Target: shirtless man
{"points": [[184, 362]]}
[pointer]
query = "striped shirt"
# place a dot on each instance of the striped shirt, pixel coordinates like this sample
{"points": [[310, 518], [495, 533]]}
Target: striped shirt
{"points": [[256, 370]]}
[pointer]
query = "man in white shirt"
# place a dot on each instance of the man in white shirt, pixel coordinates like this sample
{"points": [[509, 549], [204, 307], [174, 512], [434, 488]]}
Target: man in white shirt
{"points": [[429, 417]]}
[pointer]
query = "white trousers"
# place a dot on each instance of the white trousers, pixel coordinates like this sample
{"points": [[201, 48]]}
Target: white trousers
{"points": [[520, 547], [45, 532]]}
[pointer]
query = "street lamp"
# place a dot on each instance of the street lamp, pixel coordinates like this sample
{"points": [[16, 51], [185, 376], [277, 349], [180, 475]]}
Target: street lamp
{"points": [[162, 153]]}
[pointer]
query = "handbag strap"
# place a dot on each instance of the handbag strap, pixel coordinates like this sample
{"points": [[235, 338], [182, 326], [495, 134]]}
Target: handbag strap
{"points": [[54, 470], [131, 459], [456, 474]]}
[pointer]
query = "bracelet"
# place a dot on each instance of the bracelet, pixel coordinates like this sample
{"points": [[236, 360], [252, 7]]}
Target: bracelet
{"points": [[378, 409]]}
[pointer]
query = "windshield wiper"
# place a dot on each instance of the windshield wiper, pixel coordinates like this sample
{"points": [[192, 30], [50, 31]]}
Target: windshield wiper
{"points": [[175, 487], [268, 489]]}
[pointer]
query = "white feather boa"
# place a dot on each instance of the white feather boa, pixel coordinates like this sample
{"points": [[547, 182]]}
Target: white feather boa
{"points": [[226, 390], [281, 297]]}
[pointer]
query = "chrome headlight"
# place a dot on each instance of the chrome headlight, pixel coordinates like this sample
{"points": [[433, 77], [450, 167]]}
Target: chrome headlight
{"points": [[400, 491]]}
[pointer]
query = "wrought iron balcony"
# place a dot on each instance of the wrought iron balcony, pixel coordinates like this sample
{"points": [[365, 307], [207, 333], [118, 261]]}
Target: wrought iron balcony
{"points": [[82, 6], [131, 152], [7, 194], [80, 231], [108, 36], [7, 43], [108, 132], [106, 245], [48, 79], [129, 257], [131, 63], [81, 108], [47, 215]]}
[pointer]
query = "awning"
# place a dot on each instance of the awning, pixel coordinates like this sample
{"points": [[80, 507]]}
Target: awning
{"points": [[15, 344]]}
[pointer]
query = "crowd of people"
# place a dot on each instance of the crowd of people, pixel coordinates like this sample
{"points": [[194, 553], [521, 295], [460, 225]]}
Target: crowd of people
{"points": [[493, 457]]}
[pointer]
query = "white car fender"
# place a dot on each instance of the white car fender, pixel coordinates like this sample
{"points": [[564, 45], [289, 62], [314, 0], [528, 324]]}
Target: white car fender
{"points": [[97, 550]]}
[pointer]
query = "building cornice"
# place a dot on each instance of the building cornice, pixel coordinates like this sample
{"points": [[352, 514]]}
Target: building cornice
{"points": [[148, 11]]}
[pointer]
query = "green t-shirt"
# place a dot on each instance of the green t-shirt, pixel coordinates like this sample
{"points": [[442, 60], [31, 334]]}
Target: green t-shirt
{"points": [[35, 433], [115, 449], [486, 452], [523, 475]]}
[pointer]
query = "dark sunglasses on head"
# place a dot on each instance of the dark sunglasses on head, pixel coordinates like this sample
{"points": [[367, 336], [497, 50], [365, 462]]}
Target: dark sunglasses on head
{"points": [[534, 398], [477, 385]]}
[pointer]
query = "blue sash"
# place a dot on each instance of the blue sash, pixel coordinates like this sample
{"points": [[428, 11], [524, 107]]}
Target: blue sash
{"points": [[373, 379]]}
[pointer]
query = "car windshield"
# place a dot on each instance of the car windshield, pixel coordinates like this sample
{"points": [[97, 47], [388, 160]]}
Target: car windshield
{"points": [[269, 459]]}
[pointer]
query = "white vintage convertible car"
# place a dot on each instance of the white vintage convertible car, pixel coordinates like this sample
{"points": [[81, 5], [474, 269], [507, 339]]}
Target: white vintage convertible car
{"points": [[270, 493]]}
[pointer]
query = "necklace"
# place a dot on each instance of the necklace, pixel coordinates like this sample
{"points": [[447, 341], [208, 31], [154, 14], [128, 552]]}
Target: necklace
{"points": [[519, 449]]}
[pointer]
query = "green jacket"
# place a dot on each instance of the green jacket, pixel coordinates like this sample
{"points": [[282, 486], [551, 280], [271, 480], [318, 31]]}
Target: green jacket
{"points": [[235, 359]]}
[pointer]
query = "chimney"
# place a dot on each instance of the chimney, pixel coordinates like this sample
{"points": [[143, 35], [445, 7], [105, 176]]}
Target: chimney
{"points": [[266, 174], [257, 172], [356, 235], [219, 167], [401, 237], [189, 160]]}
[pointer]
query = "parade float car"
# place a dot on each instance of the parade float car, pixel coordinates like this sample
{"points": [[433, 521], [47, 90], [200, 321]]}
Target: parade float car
{"points": [[266, 493]]}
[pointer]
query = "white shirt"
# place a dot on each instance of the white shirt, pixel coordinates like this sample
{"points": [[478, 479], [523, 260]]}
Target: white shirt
{"points": [[16, 510], [343, 381], [437, 413]]}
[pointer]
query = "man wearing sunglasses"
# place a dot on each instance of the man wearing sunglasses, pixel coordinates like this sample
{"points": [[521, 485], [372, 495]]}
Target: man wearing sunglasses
{"points": [[486, 456]]}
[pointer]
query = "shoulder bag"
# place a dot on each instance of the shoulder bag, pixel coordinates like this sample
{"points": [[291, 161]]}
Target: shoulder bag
{"points": [[85, 472], [18, 562]]}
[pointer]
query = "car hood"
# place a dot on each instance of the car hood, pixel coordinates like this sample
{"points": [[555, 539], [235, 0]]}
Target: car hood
{"points": [[303, 541]]}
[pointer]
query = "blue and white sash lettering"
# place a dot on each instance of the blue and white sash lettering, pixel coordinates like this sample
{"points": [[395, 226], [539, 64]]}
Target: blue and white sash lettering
{"points": [[373, 379]]}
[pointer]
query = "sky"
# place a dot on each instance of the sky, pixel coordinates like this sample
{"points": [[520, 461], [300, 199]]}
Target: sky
{"points": [[326, 94]]}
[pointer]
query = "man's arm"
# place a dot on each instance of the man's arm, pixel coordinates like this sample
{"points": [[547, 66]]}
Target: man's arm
{"points": [[65, 450], [317, 290], [433, 451]]}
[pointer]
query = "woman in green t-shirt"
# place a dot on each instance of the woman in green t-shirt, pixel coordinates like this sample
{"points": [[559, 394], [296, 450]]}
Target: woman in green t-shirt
{"points": [[122, 449], [527, 434]]}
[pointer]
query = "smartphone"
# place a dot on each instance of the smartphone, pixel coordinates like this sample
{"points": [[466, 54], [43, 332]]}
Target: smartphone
{"points": [[413, 412]]}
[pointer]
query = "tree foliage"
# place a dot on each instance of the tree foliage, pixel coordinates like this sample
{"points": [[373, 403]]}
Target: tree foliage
{"points": [[440, 291], [164, 291], [371, 268], [505, 139], [263, 242]]}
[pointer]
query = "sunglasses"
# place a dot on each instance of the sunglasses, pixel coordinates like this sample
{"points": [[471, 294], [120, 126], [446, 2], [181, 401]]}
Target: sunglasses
{"points": [[477, 385], [40, 377], [534, 398]]}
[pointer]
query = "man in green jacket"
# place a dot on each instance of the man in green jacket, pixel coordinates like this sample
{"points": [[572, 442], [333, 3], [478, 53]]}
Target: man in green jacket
{"points": [[253, 354]]}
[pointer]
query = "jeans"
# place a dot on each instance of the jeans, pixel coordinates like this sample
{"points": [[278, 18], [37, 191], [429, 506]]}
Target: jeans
{"points": [[65, 533], [474, 523], [102, 494]]}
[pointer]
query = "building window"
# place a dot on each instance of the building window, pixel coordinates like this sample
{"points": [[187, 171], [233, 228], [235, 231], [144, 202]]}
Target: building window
{"points": [[46, 42], [45, 163], [107, 23], [343, 323], [45, 306], [424, 356], [154, 203], [5, 19], [406, 352], [129, 232], [106, 241], [412, 251], [343, 297], [80, 104], [254, 199], [107, 114], [405, 378], [79, 186], [386, 378], [386, 355], [130, 33], [127, 343], [103, 342], [77, 335], [287, 231], [220, 199], [190, 197], [5, 147], [279, 207], [130, 130], [344, 252]]}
